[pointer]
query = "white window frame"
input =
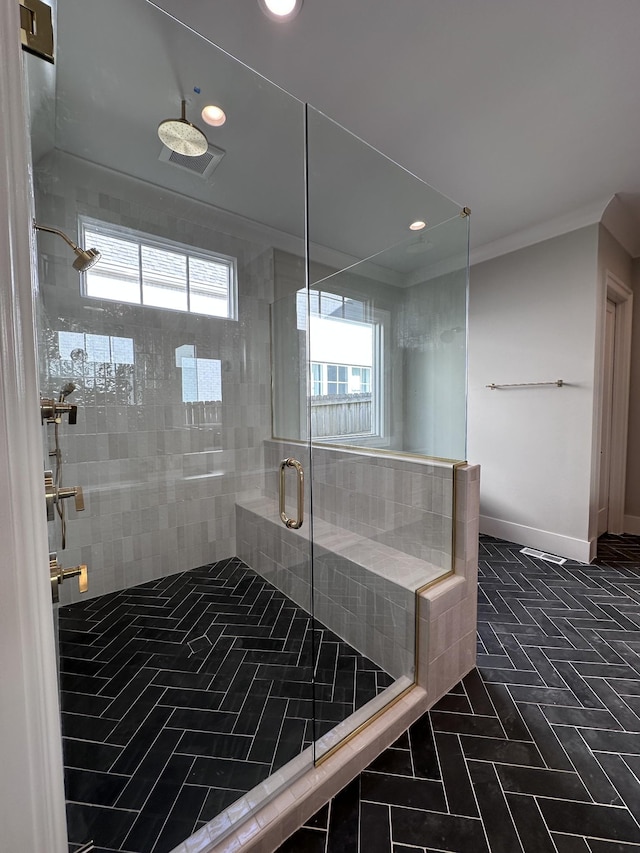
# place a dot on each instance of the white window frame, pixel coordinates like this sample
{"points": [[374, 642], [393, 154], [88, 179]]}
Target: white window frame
{"points": [[120, 232]]}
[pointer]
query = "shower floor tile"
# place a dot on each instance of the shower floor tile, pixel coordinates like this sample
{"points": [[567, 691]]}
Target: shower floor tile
{"points": [[182, 694]]}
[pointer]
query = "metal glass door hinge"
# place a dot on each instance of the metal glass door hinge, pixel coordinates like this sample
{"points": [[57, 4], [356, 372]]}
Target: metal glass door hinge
{"points": [[36, 28], [59, 575]]}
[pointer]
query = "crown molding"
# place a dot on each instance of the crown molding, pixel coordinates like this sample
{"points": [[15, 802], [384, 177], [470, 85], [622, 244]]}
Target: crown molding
{"points": [[621, 223], [588, 215]]}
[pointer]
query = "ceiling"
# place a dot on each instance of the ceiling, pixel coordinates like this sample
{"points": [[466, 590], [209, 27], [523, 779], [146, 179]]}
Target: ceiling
{"points": [[527, 112], [122, 67]]}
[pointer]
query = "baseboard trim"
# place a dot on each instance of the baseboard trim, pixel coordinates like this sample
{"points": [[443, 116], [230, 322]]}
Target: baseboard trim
{"points": [[544, 540], [632, 524]]}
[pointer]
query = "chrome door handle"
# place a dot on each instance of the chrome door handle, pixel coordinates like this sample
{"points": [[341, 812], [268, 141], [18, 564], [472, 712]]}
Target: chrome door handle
{"points": [[292, 523]]}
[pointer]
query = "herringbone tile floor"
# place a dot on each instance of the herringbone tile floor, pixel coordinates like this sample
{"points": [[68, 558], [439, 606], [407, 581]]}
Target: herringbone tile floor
{"points": [[538, 749], [182, 694]]}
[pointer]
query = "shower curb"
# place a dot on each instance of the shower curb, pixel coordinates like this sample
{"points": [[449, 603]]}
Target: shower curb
{"points": [[265, 831]]}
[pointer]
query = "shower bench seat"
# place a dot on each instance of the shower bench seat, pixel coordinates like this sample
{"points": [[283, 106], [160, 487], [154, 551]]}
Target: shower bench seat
{"points": [[353, 576]]}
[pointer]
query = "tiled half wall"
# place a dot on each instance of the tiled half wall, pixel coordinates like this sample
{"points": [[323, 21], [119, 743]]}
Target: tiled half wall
{"points": [[382, 528]]}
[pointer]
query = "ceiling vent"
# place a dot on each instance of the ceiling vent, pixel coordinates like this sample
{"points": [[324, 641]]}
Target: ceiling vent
{"points": [[203, 165]]}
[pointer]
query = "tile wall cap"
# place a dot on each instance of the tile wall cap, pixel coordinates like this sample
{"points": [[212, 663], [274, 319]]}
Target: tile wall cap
{"points": [[443, 587]]}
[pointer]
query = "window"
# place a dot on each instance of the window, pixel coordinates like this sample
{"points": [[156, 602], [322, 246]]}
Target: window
{"points": [[360, 380], [140, 269], [103, 349], [201, 380], [323, 304], [332, 379], [317, 371], [201, 377], [337, 379]]}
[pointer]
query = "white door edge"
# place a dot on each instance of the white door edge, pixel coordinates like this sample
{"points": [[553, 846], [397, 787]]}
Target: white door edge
{"points": [[617, 291], [32, 814]]}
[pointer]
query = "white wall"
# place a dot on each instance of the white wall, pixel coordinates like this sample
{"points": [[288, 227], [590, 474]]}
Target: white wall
{"points": [[532, 318]]}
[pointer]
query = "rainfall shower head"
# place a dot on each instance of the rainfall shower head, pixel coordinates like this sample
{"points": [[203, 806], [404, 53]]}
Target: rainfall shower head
{"points": [[85, 259], [181, 136]]}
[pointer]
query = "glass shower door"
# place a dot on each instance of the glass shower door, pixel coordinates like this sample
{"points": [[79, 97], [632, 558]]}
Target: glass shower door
{"points": [[185, 668]]}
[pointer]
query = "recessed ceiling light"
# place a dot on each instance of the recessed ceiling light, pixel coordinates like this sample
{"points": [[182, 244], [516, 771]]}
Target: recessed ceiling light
{"points": [[215, 116], [418, 225], [280, 10]]}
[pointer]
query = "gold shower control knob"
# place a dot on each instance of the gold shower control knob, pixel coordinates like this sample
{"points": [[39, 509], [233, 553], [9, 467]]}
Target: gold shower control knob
{"points": [[49, 493], [72, 492], [79, 572], [53, 494], [51, 411], [58, 575], [79, 499]]}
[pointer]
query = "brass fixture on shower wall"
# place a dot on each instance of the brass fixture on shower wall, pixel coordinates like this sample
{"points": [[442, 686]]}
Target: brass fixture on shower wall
{"points": [[59, 575], [54, 494], [86, 258], [51, 410]]}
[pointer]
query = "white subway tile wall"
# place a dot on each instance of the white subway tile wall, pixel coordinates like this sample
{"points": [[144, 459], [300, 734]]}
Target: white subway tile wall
{"points": [[160, 476]]}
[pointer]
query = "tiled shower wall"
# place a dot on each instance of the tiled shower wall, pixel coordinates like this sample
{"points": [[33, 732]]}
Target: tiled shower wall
{"points": [[402, 503], [160, 477]]}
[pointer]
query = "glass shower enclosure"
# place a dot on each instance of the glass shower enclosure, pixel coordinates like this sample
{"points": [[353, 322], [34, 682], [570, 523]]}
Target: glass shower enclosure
{"points": [[262, 384]]}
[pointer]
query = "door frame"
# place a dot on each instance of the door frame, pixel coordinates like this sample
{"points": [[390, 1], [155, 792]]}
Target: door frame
{"points": [[32, 811], [618, 292]]}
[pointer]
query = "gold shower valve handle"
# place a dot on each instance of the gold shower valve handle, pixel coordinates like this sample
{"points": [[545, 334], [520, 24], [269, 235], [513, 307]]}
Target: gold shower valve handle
{"points": [[59, 575], [74, 492], [49, 493], [79, 499], [51, 411], [81, 572]]}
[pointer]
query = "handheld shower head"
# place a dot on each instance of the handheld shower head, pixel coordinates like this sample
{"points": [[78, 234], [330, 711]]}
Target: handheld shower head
{"points": [[66, 390], [85, 259]]}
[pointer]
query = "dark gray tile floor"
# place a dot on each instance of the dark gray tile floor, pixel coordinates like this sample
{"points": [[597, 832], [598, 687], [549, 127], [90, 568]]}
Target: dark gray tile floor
{"points": [[538, 749], [180, 695]]}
